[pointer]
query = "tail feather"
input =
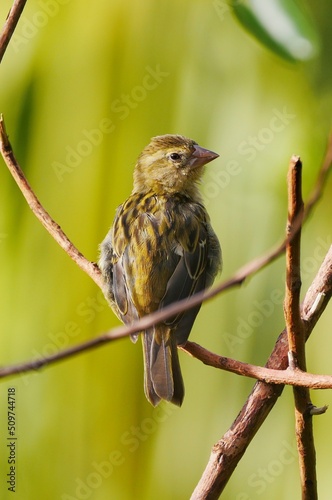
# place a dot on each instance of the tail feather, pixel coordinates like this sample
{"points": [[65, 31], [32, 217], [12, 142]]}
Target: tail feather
{"points": [[161, 367], [162, 373], [150, 393]]}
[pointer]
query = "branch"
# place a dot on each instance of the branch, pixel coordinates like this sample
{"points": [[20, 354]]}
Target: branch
{"points": [[296, 337], [228, 451], [293, 318], [296, 378], [10, 25]]}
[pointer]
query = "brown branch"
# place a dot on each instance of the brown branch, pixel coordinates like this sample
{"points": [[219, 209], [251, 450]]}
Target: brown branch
{"points": [[10, 25], [228, 451], [293, 318], [296, 378], [296, 337], [52, 227]]}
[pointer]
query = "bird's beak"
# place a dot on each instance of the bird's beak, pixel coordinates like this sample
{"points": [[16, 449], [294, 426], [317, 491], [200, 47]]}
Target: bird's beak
{"points": [[201, 156]]}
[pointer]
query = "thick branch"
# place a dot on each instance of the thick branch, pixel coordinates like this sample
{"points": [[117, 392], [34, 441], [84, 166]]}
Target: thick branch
{"points": [[228, 451], [10, 25]]}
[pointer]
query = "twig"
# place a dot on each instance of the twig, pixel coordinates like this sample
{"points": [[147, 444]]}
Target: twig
{"points": [[52, 227], [228, 451], [296, 378], [296, 336], [10, 25], [293, 319]]}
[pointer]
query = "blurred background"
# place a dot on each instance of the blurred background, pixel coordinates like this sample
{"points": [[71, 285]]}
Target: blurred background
{"points": [[84, 86]]}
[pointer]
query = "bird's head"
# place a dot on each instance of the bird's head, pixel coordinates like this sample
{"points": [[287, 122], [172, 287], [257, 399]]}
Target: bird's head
{"points": [[170, 164]]}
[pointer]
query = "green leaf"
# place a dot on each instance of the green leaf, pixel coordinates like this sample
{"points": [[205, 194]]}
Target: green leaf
{"points": [[282, 26]]}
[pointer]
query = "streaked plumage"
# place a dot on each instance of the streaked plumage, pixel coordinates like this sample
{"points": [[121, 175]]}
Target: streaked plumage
{"points": [[160, 249]]}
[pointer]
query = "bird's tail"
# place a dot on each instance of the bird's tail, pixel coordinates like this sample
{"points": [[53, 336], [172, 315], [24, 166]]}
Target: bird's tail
{"points": [[162, 373]]}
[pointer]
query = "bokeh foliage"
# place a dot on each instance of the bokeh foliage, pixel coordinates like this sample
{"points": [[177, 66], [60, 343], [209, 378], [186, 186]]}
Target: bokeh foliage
{"points": [[84, 85]]}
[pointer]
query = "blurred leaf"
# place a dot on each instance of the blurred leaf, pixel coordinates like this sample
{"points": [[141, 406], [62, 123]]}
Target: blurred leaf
{"points": [[282, 26]]}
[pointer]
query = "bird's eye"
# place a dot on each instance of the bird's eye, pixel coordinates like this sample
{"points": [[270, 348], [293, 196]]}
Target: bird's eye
{"points": [[175, 156]]}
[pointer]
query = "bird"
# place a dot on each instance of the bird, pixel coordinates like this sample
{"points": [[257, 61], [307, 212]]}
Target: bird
{"points": [[160, 249]]}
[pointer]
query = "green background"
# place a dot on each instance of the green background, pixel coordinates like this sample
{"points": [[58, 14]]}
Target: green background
{"points": [[84, 85]]}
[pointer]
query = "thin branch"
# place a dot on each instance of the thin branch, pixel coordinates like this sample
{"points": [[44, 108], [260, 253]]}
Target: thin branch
{"points": [[296, 378], [293, 318], [52, 227], [287, 376], [296, 336], [228, 451], [10, 25]]}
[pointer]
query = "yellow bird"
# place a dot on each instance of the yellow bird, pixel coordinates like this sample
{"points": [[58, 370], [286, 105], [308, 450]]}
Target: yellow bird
{"points": [[160, 249]]}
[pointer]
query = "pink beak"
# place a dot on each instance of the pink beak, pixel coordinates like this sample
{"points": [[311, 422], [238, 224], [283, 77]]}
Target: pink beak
{"points": [[201, 156]]}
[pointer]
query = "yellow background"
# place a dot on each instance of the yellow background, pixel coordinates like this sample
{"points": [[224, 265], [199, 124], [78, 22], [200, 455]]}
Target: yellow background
{"points": [[84, 85]]}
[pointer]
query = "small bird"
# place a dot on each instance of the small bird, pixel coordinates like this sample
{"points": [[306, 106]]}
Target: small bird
{"points": [[160, 249]]}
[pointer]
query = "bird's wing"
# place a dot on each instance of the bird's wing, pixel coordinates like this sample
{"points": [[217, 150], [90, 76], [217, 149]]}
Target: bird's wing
{"points": [[191, 272]]}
